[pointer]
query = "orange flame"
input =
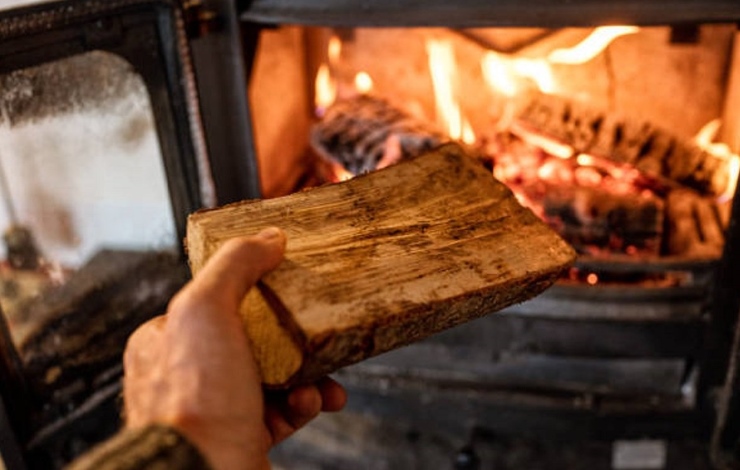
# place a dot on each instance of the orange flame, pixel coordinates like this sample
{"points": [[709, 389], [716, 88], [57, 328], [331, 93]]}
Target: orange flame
{"points": [[498, 73], [705, 140], [363, 83], [444, 73], [334, 50], [590, 47], [325, 91], [504, 75]]}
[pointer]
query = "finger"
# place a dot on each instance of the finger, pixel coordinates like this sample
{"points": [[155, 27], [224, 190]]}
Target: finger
{"points": [[234, 269], [333, 395], [285, 414]]}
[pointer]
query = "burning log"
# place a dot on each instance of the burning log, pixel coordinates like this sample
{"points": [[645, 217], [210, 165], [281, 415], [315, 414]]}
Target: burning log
{"points": [[649, 149], [367, 133], [589, 217], [383, 260], [695, 226]]}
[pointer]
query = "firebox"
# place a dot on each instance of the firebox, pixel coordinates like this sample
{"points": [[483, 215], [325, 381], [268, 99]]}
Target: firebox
{"points": [[616, 122], [580, 115]]}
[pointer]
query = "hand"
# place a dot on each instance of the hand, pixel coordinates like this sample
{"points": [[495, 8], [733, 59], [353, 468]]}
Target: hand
{"points": [[193, 368]]}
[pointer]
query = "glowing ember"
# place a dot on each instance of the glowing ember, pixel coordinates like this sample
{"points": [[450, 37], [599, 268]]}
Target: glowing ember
{"points": [[592, 46], [444, 73], [363, 83], [551, 146]]}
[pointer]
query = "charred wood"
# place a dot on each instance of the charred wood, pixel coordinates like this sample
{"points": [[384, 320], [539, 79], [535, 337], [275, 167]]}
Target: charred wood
{"points": [[648, 148], [590, 217], [695, 225], [366, 133]]}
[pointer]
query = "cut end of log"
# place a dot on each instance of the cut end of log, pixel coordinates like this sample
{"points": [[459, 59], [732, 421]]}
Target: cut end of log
{"points": [[383, 260], [279, 354]]}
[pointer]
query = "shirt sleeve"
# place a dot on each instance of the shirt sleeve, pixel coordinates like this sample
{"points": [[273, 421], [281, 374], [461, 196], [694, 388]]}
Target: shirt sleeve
{"points": [[151, 448]]}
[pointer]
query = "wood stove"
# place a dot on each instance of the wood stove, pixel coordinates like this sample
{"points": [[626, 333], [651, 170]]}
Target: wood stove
{"points": [[617, 360]]}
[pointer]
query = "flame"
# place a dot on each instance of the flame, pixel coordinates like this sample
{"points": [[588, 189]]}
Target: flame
{"points": [[537, 70], [363, 83], [334, 50], [705, 139], [497, 72], [590, 47], [443, 70], [325, 91], [504, 74]]}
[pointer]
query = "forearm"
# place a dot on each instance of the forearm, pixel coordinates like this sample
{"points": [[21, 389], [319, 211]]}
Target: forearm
{"points": [[149, 448]]}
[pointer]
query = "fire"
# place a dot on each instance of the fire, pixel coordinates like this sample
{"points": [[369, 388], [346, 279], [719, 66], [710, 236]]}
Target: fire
{"points": [[325, 89], [705, 140], [497, 71], [505, 75], [590, 47], [325, 86], [363, 83], [444, 77], [335, 50]]}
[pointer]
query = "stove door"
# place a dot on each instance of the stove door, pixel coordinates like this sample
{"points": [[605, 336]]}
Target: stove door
{"points": [[103, 158]]}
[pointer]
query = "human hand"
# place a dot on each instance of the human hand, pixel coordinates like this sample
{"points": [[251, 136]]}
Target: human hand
{"points": [[193, 368]]}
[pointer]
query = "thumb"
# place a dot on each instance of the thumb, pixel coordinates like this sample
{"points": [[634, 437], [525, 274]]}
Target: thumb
{"points": [[237, 266]]}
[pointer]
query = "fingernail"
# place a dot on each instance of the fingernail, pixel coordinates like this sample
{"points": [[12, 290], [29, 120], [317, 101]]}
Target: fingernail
{"points": [[270, 233]]}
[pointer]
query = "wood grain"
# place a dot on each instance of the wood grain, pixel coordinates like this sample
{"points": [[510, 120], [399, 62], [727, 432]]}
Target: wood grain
{"points": [[383, 260]]}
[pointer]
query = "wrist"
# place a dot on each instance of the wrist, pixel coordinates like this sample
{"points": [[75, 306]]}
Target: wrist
{"points": [[222, 446]]}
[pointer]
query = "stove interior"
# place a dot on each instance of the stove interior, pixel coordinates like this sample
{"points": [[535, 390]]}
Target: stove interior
{"points": [[622, 138]]}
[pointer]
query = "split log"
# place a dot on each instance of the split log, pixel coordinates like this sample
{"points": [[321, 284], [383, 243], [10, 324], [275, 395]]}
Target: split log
{"points": [[652, 150], [590, 217], [383, 260]]}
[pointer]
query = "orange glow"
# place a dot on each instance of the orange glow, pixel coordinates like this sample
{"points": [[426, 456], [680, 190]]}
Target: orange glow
{"points": [[325, 89], [506, 75], [443, 70], [363, 83], [537, 70], [590, 47], [551, 146], [592, 279], [335, 50], [705, 139], [585, 160], [498, 74], [587, 176]]}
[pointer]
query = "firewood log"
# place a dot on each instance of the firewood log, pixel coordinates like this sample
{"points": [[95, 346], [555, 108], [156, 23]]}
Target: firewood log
{"points": [[650, 149], [356, 133], [383, 260], [695, 224], [591, 217]]}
